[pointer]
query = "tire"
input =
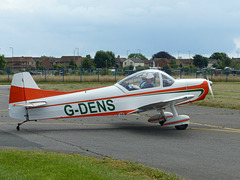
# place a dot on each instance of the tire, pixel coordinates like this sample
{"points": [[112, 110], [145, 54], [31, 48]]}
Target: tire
{"points": [[181, 127]]}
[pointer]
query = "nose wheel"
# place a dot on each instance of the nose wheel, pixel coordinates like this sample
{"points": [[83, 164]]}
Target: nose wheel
{"points": [[18, 128]]}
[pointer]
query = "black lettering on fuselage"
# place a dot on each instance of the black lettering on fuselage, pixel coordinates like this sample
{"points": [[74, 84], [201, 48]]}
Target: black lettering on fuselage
{"points": [[101, 107], [90, 107]]}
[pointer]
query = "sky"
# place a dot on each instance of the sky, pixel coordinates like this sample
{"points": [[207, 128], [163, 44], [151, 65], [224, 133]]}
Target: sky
{"points": [[58, 28]]}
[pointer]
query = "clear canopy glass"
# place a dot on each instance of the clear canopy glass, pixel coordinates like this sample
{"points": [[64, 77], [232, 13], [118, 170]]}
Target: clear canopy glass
{"points": [[146, 79]]}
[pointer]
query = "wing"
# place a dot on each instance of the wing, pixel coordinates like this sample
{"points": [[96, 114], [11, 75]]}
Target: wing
{"points": [[165, 103]]}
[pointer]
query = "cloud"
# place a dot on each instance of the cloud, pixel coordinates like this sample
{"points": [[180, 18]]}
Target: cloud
{"points": [[153, 25], [237, 43]]}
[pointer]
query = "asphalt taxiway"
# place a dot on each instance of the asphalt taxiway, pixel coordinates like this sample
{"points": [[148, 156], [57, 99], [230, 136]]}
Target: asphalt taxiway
{"points": [[208, 149]]}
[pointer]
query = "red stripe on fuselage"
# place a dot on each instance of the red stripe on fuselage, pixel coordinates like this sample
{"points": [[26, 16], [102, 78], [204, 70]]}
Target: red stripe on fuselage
{"points": [[18, 94], [98, 114], [203, 86]]}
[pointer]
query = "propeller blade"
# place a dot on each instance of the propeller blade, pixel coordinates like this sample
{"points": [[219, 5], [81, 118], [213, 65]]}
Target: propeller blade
{"points": [[210, 88]]}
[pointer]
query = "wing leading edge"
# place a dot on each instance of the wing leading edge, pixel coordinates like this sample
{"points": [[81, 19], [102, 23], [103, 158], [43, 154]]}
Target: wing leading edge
{"points": [[165, 103]]}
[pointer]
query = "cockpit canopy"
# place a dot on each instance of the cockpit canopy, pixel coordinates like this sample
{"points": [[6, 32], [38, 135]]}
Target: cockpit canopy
{"points": [[146, 79]]}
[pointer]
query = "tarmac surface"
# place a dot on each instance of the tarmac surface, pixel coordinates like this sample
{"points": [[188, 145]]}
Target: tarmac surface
{"points": [[208, 149]]}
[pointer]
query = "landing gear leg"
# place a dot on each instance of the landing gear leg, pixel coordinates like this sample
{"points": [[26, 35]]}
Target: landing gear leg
{"points": [[19, 124], [27, 119], [164, 118]]}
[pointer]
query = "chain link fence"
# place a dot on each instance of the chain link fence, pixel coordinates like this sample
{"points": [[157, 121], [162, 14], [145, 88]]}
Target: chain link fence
{"points": [[104, 74]]}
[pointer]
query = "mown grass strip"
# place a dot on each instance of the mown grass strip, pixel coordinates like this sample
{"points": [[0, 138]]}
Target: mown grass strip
{"points": [[15, 164]]}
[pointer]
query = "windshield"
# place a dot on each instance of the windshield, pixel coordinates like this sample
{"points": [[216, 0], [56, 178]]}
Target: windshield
{"points": [[141, 80], [167, 80]]}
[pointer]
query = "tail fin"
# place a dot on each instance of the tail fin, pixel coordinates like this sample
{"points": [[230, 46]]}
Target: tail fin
{"points": [[22, 83]]}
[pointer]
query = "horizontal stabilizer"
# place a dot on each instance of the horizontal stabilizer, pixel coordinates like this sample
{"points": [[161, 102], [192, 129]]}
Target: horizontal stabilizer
{"points": [[32, 104]]}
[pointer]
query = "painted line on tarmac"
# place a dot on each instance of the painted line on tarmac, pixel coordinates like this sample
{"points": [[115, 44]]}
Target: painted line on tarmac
{"points": [[4, 95], [222, 130], [212, 127], [218, 128], [3, 110], [81, 124]]}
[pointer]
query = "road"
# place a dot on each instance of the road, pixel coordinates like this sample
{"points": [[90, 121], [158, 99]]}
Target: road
{"points": [[208, 149]]}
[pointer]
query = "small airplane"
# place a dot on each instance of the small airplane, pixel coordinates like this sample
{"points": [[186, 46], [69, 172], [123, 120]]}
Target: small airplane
{"points": [[142, 91]]}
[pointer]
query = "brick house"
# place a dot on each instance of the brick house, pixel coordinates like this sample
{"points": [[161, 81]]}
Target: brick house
{"points": [[49, 62], [119, 61], [160, 62], [20, 63], [236, 60], [184, 62], [66, 60]]}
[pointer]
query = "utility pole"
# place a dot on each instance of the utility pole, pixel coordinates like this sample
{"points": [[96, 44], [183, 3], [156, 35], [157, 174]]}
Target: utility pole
{"points": [[77, 55], [189, 54], [127, 53], [12, 57]]}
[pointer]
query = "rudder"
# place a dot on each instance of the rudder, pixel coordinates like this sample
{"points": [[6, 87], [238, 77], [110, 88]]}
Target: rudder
{"points": [[19, 93]]}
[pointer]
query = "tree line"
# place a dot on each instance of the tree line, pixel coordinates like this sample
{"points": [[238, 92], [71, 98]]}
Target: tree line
{"points": [[107, 59]]}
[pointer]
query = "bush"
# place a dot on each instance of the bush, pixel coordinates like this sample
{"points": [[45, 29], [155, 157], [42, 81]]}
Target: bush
{"points": [[2, 72]]}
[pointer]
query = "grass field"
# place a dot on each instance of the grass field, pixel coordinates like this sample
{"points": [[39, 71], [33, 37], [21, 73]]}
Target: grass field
{"points": [[4, 79], [226, 95], [73, 86], [16, 164]]}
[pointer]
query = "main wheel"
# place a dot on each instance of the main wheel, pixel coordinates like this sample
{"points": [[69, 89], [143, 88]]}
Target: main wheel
{"points": [[18, 128], [181, 127]]}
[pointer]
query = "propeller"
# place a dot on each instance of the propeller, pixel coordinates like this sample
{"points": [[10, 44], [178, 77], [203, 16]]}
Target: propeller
{"points": [[210, 88], [204, 74]]}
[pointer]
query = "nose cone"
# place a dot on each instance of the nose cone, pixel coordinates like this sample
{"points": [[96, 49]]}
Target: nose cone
{"points": [[199, 88]]}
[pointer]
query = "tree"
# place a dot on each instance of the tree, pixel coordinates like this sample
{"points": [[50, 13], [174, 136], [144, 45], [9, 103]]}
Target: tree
{"points": [[163, 54], [174, 64], [72, 65], [88, 56], [200, 61], [3, 62], [222, 58], [137, 55], [88, 62], [37, 64], [104, 59], [112, 59]]}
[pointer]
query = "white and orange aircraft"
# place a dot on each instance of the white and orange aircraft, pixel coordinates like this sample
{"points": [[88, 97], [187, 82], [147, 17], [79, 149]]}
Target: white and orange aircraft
{"points": [[139, 92]]}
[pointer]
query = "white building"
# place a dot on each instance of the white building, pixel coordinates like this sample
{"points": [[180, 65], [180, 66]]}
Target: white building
{"points": [[134, 62]]}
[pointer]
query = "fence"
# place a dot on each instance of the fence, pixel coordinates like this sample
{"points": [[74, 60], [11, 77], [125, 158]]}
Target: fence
{"points": [[103, 75]]}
